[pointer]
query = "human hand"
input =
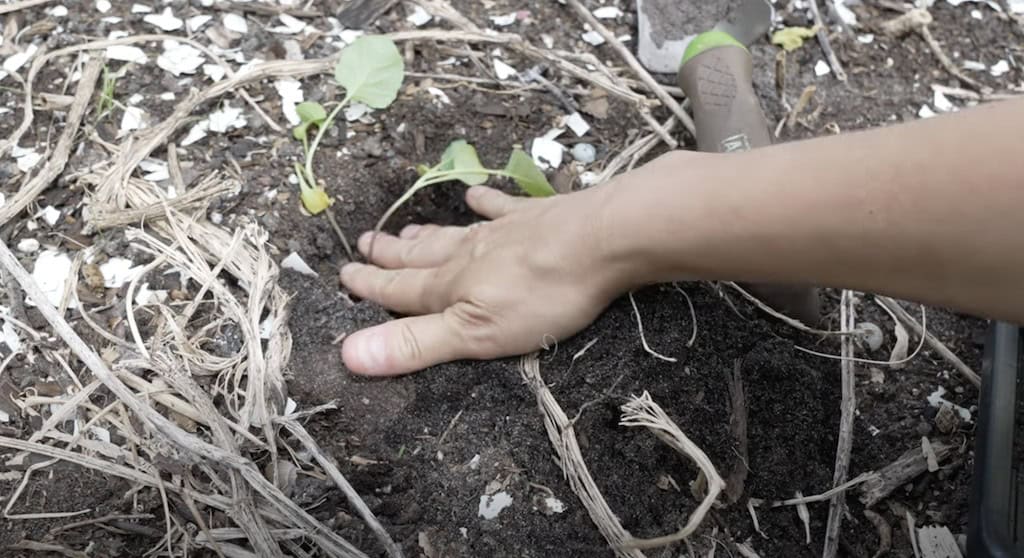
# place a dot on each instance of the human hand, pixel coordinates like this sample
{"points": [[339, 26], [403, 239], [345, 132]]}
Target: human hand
{"points": [[536, 273]]}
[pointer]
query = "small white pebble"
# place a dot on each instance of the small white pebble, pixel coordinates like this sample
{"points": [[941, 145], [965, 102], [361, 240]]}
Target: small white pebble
{"points": [[28, 245]]}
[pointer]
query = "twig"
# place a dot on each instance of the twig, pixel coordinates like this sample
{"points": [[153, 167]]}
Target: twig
{"points": [[898, 473], [97, 520], [640, 148], [264, 10], [933, 342], [643, 411], [693, 315], [859, 479], [451, 425], [926, 34], [562, 436], [341, 235], [793, 322], [56, 162], [801, 104], [734, 483], [350, 493], [643, 339], [884, 532], [26, 544], [634, 65], [848, 408], [190, 447], [826, 45], [24, 4]]}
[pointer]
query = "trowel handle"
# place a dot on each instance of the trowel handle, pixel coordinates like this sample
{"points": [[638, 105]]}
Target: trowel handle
{"points": [[726, 110], [716, 75]]}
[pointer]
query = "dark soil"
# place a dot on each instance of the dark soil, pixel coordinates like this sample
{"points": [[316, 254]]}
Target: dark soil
{"points": [[387, 435]]}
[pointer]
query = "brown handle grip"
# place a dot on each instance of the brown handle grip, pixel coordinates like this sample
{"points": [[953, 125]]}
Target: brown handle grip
{"points": [[728, 118]]}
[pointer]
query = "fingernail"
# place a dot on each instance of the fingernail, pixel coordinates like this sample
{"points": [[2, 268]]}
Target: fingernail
{"points": [[366, 352], [410, 231]]}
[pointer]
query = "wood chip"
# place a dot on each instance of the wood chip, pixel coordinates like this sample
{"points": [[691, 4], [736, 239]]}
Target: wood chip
{"points": [[937, 542]]}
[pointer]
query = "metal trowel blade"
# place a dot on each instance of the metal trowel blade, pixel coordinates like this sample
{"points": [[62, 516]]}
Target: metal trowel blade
{"points": [[666, 27]]}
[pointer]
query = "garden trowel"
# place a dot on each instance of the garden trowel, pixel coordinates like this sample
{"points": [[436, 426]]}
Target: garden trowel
{"points": [[705, 43]]}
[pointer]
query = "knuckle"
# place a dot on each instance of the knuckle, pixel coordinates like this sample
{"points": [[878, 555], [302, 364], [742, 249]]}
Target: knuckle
{"points": [[477, 327], [409, 345]]}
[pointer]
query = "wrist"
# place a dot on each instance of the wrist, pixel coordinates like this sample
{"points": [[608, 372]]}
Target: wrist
{"points": [[660, 222]]}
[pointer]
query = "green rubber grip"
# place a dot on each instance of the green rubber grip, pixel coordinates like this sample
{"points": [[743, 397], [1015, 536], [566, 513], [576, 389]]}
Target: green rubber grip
{"points": [[716, 75]]}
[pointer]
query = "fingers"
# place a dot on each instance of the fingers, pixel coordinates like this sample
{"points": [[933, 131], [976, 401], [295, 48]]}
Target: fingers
{"points": [[407, 291], [423, 247], [492, 203], [403, 346]]}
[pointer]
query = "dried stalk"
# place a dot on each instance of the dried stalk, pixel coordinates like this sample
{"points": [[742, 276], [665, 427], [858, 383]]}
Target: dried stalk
{"points": [[56, 162], [966, 371], [22, 5], [826, 44], [562, 435], [627, 56], [643, 411], [848, 408]]}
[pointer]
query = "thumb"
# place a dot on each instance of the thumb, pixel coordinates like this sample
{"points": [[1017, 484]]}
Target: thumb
{"points": [[403, 346], [492, 203]]}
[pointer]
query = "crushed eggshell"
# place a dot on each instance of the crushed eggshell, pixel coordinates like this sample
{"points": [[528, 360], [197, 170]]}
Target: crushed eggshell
{"points": [[266, 327], [491, 505], [821, 68], [607, 12], [999, 68], [937, 399], [439, 95], [141, 9], [503, 20], [226, 119], [974, 66], [593, 38], [925, 112], [118, 271], [25, 157], [134, 118], [179, 58], [941, 102], [126, 53], [503, 70], [215, 72], [295, 263], [577, 124], [51, 272], [546, 152], [291, 25], [103, 6], [14, 62], [58, 11], [355, 111], [291, 94], [235, 23], [419, 17], [194, 23], [49, 214], [155, 170], [28, 245], [147, 296], [165, 20]]}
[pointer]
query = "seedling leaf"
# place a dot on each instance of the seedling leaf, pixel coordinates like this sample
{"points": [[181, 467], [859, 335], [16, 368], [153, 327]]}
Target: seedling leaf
{"points": [[465, 163], [371, 70], [526, 174], [310, 112]]}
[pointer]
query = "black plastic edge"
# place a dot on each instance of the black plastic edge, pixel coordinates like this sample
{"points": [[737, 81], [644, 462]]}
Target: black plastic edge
{"points": [[993, 494]]}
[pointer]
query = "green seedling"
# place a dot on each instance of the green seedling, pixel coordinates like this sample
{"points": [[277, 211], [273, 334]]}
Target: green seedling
{"points": [[371, 71], [106, 104], [460, 162]]}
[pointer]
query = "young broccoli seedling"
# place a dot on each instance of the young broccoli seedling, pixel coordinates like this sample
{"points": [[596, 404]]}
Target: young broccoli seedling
{"points": [[460, 162], [371, 71]]}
